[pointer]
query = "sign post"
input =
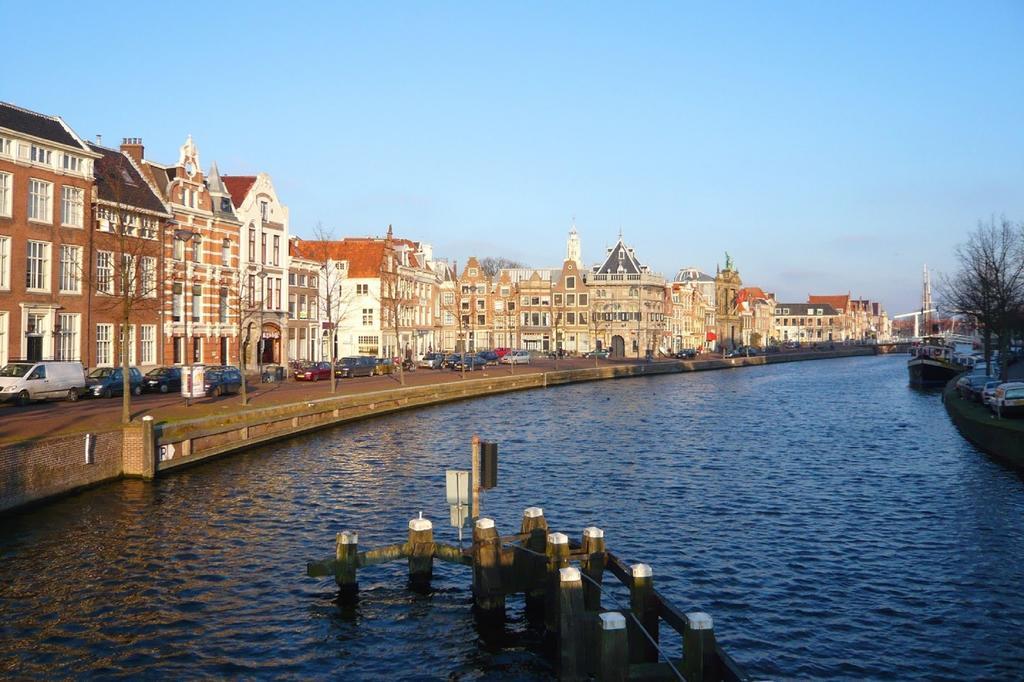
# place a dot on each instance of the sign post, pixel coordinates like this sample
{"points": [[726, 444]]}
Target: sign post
{"points": [[458, 492]]}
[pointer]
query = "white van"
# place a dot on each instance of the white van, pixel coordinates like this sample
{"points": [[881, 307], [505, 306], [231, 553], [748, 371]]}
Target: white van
{"points": [[22, 382]]}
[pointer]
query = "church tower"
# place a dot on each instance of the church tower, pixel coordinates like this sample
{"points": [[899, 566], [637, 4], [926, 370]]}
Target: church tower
{"points": [[573, 248]]}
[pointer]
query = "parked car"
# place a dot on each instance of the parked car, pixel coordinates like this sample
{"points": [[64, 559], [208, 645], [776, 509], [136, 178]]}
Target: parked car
{"points": [[355, 366], [1009, 399], [600, 353], [987, 392], [162, 380], [222, 380], [489, 357], [23, 382], [431, 361], [686, 354], [106, 382], [516, 357], [468, 361], [313, 371]]}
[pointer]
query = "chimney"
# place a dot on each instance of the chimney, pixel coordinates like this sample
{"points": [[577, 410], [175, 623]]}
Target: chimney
{"points": [[132, 146], [99, 139]]}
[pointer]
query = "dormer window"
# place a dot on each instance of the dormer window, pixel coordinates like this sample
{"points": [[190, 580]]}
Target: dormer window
{"points": [[225, 205], [264, 211], [40, 155], [72, 163], [622, 255]]}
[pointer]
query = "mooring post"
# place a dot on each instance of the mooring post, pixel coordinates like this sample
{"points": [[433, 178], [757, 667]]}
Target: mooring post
{"points": [[593, 563], [475, 476], [487, 587], [571, 650], [531, 568], [346, 552], [557, 551], [645, 607], [421, 553], [612, 648], [699, 659]]}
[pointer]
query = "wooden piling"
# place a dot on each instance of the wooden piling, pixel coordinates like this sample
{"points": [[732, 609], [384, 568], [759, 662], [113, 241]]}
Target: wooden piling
{"points": [[533, 568], [487, 588], [475, 477], [700, 661], [346, 561], [571, 649], [421, 553], [592, 563], [612, 663], [644, 606], [557, 551]]}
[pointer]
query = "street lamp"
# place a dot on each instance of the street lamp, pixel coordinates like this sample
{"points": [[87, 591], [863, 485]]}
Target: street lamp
{"points": [[185, 236], [262, 274]]}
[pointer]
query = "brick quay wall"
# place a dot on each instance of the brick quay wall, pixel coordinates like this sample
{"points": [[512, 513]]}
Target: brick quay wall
{"points": [[43, 468]]}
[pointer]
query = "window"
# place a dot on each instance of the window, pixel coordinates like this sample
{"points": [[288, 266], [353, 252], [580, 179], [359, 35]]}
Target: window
{"points": [[40, 155], [197, 349], [72, 163], [264, 211], [3, 338], [570, 282], [252, 244], [449, 319], [71, 206], [570, 299], [179, 249], [252, 290], [128, 278], [70, 266], [177, 302], [178, 350], [472, 272], [105, 272], [148, 343], [291, 306], [481, 304], [222, 308], [558, 299], [128, 343], [5, 148], [362, 289], [570, 318], [225, 253], [277, 250], [6, 182], [291, 279], [312, 281], [480, 319], [5, 264], [104, 344], [67, 337], [40, 201], [197, 303], [37, 274], [148, 277], [197, 249], [367, 317], [583, 300], [263, 249]]}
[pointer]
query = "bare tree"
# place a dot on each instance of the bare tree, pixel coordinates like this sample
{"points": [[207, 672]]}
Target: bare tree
{"points": [[395, 299], [128, 251], [989, 283], [334, 301], [452, 306], [245, 310], [598, 324], [491, 267]]}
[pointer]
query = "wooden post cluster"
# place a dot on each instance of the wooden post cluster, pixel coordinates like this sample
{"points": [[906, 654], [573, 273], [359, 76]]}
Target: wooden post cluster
{"points": [[699, 657], [557, 552], [346, 557], [644, 605], [487, 588], [421, 553]]}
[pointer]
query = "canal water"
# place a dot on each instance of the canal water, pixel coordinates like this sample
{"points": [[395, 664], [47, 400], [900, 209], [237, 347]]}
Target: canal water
{"points": [[828, 516]]}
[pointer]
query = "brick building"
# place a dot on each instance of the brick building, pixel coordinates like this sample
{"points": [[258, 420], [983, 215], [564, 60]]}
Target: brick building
{"points": [[629, 301], [46, 194]]}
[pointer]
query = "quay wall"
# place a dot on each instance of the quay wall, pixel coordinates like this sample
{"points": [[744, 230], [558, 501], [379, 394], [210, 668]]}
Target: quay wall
{"points": [[43, 468], [1001, 438]]}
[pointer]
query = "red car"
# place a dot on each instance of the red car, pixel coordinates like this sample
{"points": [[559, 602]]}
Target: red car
{"points": [[502, 352], [314, 371]]}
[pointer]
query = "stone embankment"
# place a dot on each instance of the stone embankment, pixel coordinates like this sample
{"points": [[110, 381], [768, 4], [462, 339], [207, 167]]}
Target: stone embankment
{"points": [[42, 468], [1001, 438]]}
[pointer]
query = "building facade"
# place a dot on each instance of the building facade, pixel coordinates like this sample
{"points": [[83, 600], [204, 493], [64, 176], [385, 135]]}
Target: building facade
{"points": [[628, 304]]}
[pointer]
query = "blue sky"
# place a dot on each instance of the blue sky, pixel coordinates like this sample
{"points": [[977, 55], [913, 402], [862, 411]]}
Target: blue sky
{"points": [[828, 147]]}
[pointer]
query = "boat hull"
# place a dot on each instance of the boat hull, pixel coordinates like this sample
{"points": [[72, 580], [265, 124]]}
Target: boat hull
{"points": [[929, 372]]}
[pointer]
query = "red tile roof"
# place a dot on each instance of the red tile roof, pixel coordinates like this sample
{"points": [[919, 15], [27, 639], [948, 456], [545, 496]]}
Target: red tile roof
{"points": [[364, 256], [238, 186], [840, 302]]}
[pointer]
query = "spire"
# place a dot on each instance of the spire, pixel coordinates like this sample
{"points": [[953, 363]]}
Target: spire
{"points": [[390, 233], [213, 181], [573, 247]]}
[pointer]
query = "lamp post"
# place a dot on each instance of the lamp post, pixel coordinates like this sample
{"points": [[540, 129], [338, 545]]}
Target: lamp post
{"points": [[262, 274], [186, 236]]}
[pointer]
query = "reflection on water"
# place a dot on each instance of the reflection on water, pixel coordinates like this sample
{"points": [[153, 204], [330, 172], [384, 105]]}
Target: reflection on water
{"points": [[828, 517]]}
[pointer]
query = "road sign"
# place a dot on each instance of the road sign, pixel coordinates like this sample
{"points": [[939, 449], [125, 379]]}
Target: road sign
{"points": [[166, 452], [457, 487]]}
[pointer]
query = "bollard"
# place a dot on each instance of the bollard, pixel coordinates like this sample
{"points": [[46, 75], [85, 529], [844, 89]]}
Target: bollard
{"points": [[571, 650], [699, 658], [612, 648], [593, 563], [532, 567], [557, 551], [421, 553], [644, 605], [346, 552], [487, 588]]}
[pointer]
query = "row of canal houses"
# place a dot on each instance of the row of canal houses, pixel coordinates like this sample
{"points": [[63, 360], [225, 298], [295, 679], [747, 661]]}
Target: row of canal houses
{"points": [[102, 248]]}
